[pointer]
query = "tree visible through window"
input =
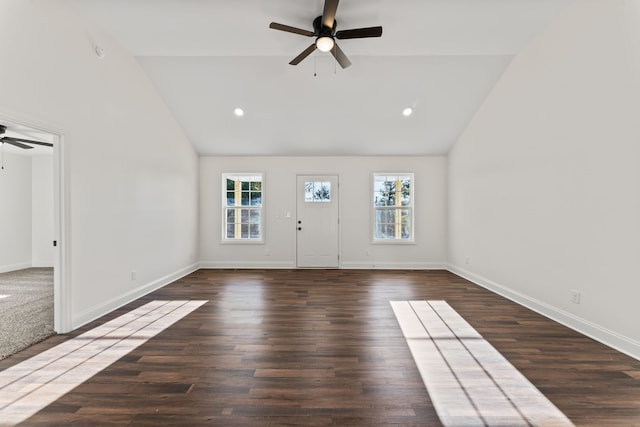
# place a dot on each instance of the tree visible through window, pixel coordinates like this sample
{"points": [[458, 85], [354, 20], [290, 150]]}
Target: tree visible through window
{"points": [[393, 207], [243, 201], [317, 191]]}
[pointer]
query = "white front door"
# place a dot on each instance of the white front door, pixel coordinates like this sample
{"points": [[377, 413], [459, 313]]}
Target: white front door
{"points": [[317, 221]]}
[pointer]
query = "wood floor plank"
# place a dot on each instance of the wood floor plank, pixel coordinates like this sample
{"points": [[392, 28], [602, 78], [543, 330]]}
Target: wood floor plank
{"points": [[324, 348]]}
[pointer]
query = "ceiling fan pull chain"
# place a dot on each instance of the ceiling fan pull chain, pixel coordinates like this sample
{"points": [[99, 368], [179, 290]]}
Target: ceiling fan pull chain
{"points": [[315, 65]]}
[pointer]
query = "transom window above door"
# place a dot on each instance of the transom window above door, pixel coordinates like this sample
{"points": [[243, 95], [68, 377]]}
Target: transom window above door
{"points": [[243, 201]]}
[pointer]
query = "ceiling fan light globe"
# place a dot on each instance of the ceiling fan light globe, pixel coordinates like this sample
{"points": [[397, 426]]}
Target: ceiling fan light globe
{"points": [[324, 43]]}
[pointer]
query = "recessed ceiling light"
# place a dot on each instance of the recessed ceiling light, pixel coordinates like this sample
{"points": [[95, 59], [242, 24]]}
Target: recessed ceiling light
{"points": [[407, 111], [238, 112]]}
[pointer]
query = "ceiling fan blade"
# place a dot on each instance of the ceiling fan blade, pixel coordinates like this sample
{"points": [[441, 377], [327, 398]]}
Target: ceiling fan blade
{"points": [[359, 33], [17, 144], [11, 140], [329, 13], [304, 54], [340, 56], [290, 29]]}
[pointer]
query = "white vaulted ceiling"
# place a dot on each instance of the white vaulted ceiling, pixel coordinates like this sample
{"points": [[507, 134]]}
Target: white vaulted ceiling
{"points": [[207, 57]]}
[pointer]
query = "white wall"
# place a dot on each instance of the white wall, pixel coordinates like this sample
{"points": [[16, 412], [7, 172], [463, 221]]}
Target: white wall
{"points": [[15, 213], [544, 184], [26, 212], [42, 211], [131, 174], [355, 211]]}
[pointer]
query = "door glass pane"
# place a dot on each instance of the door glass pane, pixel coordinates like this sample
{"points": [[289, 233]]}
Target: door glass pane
{"points": [[308, 191], [317, 191]]}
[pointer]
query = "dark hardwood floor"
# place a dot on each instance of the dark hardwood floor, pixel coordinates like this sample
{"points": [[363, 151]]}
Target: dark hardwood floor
{"points": [[323, 348]]}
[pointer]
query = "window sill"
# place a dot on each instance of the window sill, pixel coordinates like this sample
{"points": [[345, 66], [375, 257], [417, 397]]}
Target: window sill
{"points": [[393, 242], [242, 242]]}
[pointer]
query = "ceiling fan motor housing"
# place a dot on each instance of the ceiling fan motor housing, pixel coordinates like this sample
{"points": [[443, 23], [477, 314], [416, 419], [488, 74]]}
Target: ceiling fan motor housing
{"points": [[321, 30]]}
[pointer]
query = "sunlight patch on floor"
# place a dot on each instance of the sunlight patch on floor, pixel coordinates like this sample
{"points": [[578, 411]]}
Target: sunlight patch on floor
{"points": [[35, 383], [470, 383]]}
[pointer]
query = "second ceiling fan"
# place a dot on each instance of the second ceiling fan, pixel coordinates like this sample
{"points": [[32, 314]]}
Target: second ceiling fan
{"points": [[324, 30], [20, 142]]}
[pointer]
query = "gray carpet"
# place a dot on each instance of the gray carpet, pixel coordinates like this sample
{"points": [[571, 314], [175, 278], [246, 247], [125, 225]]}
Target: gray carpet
{"points": [[26, 308]]}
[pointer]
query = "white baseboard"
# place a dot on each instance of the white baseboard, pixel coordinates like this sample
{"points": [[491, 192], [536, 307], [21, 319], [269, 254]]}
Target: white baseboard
{"points": [[247, 264], [346, 265], [599, 333], [99, 310], [42, 264], [393, 265], [14, 267]]}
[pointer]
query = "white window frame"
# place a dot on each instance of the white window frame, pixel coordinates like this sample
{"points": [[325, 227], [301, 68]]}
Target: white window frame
{"points": [[261, 208], [410, 208]]}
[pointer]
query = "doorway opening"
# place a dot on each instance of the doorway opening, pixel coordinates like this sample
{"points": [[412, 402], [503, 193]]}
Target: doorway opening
{"points": [[31, 286], [317, 222]]}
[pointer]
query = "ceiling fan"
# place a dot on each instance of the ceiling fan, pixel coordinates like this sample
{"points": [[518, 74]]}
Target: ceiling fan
{"points": [[324, 30], [19, 142]]}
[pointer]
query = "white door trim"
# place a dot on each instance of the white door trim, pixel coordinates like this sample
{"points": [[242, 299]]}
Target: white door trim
{"points": [[61, 285], [335, 194]]}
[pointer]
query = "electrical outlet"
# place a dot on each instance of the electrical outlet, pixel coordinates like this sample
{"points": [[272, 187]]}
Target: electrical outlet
{"points": [[575, 297]]}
